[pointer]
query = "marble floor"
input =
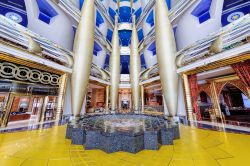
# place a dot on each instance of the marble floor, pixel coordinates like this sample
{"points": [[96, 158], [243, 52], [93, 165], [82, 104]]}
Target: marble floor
{"points": [[196, 147]]}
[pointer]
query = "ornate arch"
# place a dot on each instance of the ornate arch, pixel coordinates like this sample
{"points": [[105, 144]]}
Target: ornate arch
{"points": [[205, 88], [240, 85], [237, 83], [219, 86]]}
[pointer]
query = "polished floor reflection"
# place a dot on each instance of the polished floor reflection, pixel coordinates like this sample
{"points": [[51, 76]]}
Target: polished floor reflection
{"points": [[196, 147]]}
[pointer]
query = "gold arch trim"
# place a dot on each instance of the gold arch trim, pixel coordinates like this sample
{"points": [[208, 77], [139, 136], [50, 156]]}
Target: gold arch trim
{"points": [[237, 83], [9, 58]]}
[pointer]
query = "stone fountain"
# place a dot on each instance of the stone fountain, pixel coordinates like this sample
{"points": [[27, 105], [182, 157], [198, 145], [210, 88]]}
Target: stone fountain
{"points": [[131, 132]]}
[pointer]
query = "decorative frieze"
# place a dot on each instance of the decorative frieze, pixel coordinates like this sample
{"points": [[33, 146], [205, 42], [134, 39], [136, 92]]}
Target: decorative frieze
{"points": [[21, 73]]}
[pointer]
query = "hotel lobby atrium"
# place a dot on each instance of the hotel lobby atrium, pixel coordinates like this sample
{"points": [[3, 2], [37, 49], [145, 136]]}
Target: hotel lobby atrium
{"points": [[124, 82]]}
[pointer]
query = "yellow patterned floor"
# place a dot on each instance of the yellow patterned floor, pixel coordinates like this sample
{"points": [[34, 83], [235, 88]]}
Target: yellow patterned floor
{"points": [[196, 147]]}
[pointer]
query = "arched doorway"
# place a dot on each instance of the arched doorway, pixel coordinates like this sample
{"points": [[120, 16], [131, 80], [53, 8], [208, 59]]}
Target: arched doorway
{"points": [[235, 105], [205, 104]]}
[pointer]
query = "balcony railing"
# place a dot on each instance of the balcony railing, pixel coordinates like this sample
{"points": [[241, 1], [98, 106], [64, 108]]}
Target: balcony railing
{"points": [[17, 36], [231, 36]]}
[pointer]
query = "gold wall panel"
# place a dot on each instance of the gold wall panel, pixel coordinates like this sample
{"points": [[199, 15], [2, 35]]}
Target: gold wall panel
{"points": [[28, 63], [12, 71], [219, 64]]}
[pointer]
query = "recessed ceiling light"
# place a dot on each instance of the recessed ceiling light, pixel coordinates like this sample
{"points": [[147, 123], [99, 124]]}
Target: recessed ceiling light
{"points": [[14, 17]]}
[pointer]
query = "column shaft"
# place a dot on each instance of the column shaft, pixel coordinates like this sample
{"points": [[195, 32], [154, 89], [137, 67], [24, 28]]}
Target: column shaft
{"points": [[142, 98], [83, 54], [165, 108], [215, 101], [107, 99], [188, 98], [248, 93], [135, 68], [45, 103], [84, 109], [115, 67], [61, 93], [7, 110], [166, 55]]}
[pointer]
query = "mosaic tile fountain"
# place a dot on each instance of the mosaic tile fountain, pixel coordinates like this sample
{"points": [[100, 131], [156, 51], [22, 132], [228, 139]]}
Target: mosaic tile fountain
{"points": [[130, 133]]}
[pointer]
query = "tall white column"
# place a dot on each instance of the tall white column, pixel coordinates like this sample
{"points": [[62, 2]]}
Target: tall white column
{"points": [[181, 99], [83, 110], [135, 68], [166, 55], [83, 55], [115, 67]]}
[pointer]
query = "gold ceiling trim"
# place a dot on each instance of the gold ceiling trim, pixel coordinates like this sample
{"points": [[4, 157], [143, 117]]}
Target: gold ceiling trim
{"points": [[152, 83], [97, 83], [12, 59], [218, 64], [224, 78]]}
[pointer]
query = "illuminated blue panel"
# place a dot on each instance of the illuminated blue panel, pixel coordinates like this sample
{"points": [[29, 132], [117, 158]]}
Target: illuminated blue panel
{"points": [[150, 19], [106, 65], [138, 13], [109, 35], [97, 48], [125, 59], [99, 18], [233, 10], [143, 62], [14, 10], [228, 4], [81, 3], [152, 48], [140, 35], [74, 30], [124, 0], [20, 4], [47, 12], [125, 14], [168, 4], [202, 11], [125, 37], [112, 13]]}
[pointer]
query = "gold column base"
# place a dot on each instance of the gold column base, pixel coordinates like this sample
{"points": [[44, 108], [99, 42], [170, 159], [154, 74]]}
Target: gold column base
{"points": [[107, 99], [188, 98], [45, 102], [7, 110], [248, 91], [215, 101], [142, 99], [60, 100]]}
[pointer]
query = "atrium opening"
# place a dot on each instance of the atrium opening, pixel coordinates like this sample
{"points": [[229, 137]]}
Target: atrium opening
{"points": [[124, 82]]}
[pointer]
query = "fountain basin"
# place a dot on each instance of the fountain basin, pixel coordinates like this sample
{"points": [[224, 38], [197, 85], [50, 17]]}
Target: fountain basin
{"points": [[130, 133]]}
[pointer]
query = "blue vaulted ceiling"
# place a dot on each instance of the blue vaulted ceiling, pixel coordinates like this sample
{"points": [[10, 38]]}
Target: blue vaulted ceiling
{"points": [[125, 64], [152, 48], [125, 14], [14, 10], [234, 9], [202, 11], [125, 37], [97, 48], [46, 11]]}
